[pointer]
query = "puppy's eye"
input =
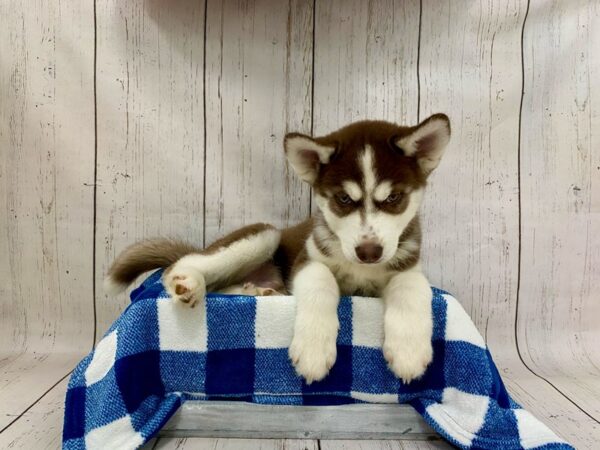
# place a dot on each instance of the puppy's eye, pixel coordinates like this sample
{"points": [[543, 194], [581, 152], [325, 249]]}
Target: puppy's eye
{"points": [[393, 198], [343, 199]]}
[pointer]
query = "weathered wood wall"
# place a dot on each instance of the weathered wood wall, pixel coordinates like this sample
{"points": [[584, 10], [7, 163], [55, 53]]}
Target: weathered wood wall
{"points": [[121, 120]]}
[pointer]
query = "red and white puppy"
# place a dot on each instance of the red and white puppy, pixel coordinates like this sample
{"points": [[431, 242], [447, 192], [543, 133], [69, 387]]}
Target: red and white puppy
{"points": [[368, 180]]}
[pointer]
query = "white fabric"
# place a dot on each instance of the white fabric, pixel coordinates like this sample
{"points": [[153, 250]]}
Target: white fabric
{"points": [[103, 359], [117, 435], [459, 326], [274, 326], [182, 328], [367, 321], [460, 414]]}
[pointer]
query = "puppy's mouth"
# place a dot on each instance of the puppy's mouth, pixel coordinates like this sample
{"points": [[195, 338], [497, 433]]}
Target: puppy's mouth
{"points": [[367, 263]]}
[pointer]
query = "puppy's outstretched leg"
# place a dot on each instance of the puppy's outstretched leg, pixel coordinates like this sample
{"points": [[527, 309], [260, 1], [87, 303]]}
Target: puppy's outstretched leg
{"points": [[408, 324], [223, 263], [313, 349]]}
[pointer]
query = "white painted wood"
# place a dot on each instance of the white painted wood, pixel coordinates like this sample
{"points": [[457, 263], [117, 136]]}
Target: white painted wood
{"points": [[559, 311], [226, 419], [252, 444], [195, 443], [46, 94], [26, 376], [46, 196], [365, 62], [467, 67], [258, 71], [150, 129], [41, 426]]}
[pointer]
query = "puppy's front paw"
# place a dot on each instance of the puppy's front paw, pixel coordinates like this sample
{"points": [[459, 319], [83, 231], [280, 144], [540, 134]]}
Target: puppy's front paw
{"points": [[407, 355], [185, 285], [313, 349]]}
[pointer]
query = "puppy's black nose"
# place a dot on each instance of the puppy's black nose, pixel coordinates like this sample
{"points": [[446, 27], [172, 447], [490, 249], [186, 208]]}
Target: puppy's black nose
{"points": [[369, 252]]}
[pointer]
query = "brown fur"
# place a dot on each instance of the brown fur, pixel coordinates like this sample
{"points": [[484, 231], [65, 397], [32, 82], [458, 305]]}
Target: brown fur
{"points": [[244, 232], [148, 255], [411, 233], [391, 163], [291, 245]]}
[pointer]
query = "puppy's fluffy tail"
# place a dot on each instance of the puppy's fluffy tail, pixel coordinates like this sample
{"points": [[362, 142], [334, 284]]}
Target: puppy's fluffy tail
{"points": [[141, 257]]}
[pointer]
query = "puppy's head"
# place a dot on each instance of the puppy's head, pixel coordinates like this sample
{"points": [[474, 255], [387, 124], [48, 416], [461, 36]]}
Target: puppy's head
{"points": [[368, 180]]}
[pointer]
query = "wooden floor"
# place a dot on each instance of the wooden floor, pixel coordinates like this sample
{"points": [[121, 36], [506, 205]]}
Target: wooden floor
{"points": [[127, 119], [39, 426]]}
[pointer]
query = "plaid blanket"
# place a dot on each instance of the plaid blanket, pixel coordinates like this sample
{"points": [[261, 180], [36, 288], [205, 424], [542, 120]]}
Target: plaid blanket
{"points": [[159, 354]]}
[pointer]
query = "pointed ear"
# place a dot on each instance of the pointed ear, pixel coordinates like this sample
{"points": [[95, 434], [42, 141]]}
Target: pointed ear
{"points": [[306, 156], [426, 142]]}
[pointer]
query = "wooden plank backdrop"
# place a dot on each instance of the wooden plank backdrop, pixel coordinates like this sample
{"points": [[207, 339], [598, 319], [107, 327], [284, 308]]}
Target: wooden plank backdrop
{"points": [[559, 308], [46, 197], [121, 120]]}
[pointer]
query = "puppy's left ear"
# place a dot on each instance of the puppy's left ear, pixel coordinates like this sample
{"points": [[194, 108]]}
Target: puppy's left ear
{"points": [[306, 155], [426, 142]]}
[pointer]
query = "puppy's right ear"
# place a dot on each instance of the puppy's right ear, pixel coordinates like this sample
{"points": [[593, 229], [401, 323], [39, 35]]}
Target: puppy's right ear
{"points": [[306, 155]]}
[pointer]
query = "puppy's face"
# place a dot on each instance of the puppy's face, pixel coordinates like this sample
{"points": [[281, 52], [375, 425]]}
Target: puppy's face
{"points": [[368, 179]]}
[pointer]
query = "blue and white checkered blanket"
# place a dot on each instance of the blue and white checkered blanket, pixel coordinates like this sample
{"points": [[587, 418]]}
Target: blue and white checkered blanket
{"points": [[159, 354]]}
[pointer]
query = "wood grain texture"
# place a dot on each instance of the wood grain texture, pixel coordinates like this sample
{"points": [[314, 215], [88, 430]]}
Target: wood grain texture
{"points": [[247, 420], [24, 377], [234, 444], [258, 85], [150, 129], [383, 445], [46, 196], [365, 62], [41, 426], [559, 311], [467, 68]]}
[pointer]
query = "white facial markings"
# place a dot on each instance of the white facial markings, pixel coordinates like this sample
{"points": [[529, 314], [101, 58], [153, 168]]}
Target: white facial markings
{"points": [[385, 228], [382, 191], [389, 227], [369, 176], [353, 190], [346, 228], [370, 223]]}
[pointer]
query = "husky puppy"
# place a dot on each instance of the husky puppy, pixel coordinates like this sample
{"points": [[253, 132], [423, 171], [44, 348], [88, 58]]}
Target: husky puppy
{"points": [[368, 180]]}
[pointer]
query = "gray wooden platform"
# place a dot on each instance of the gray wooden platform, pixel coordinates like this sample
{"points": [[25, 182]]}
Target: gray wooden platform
{"points": [[246, 420]]}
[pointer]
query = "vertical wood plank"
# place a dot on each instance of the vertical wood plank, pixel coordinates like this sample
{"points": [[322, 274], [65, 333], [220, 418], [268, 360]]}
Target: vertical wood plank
{"points": [[46, 195], [258, 86], [467, 67], [365, 62], [559, 312], [150, 129]]}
